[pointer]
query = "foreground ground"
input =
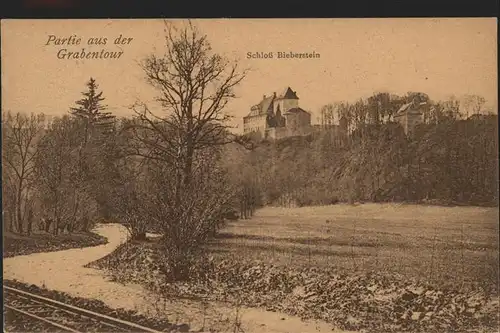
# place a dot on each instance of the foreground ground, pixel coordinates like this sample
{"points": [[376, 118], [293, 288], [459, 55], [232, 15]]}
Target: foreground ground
{"points": [[379, 268], [64, 271], [16, 244]]}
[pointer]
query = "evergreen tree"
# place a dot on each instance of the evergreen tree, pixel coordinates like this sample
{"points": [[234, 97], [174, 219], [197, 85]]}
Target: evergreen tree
{"points": [[91, 110], [97, 126]]}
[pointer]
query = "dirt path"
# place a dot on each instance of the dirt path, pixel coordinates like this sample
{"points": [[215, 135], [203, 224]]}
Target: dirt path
{"points": [[64, 271]]}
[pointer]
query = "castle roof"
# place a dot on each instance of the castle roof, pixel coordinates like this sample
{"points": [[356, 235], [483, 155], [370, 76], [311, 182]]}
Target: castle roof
{"points": [[266, 103], [261, 108], [288, 93], [296, 110], [410, 108]]}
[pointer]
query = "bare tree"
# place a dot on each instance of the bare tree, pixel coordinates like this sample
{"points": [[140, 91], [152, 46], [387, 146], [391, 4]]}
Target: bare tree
{"points": [[21, 133], [327, 115], [8, 199], [132, 195], [195, 85], [344, 113], [360, 117], [473, 104], [379, 108], [57, 168], [451, 108], [195, 88]]}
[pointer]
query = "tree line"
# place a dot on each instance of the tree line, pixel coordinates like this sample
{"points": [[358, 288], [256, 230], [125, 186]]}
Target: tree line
{"points": [[381, 108]]}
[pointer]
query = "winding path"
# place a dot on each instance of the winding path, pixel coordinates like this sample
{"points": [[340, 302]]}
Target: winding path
{"points": [[63, 271]]}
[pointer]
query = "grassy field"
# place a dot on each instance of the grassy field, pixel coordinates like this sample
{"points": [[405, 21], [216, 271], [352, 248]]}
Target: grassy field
{"points": [[456, 246]]}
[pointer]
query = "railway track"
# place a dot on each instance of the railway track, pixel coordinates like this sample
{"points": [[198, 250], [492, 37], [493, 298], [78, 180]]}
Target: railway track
{"points": [[49, 315]]}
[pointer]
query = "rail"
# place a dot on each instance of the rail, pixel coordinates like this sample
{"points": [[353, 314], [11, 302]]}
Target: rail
{"points": [[35, 304]]}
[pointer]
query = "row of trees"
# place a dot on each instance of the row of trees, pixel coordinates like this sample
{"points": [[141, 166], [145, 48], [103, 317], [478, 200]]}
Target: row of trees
{"points": [[381, 108], [49, 170]]}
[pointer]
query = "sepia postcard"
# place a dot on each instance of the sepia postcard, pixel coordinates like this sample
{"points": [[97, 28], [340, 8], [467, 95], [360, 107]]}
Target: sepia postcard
{"points": [[250, 175]]}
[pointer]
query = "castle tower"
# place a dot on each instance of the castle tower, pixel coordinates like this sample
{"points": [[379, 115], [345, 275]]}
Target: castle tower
{"points": [[288, 99]]}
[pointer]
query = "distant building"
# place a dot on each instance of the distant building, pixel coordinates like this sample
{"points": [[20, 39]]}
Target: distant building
{"points": [[278, 116], [410, 115]]}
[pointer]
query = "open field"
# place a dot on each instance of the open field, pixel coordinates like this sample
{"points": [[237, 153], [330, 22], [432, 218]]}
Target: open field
{"points": [[439, 245]]}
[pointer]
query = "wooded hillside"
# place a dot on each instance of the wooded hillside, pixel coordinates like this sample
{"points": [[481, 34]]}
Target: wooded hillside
{"points": [[450, 159]]}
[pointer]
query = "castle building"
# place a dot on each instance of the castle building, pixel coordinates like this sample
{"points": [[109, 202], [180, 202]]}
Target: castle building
{"points": [[410, 115], [278, 116]]}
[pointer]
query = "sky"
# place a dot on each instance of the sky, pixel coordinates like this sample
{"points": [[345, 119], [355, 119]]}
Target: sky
{"points": [[441, 57]]}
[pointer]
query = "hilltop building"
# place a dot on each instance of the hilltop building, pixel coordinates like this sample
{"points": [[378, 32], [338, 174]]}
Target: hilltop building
{"points": [[410, 115], [278, 116]]}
